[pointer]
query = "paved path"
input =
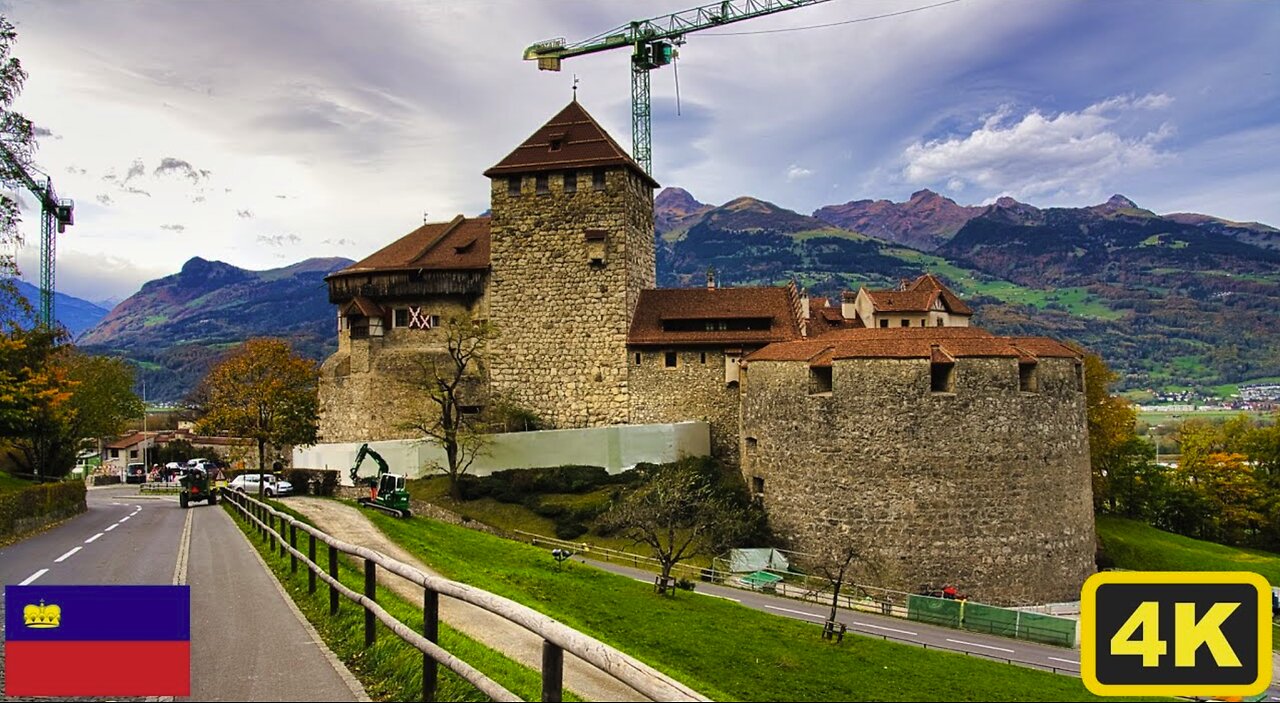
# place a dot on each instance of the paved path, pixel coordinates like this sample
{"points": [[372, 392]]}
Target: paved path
{"points": [[247, 640], [349, 524]]}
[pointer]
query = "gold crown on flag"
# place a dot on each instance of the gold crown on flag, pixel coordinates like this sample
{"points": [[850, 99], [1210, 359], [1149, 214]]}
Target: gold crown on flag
{"points": [[42, 616]]}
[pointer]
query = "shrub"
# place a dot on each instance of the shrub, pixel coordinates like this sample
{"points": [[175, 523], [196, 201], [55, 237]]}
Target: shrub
{"points": [[685, 584], [31, 507], [106, 480], [570, 530]]}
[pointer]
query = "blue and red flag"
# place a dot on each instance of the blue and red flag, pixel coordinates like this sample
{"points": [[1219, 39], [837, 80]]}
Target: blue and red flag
{"points": [[97, 640]]}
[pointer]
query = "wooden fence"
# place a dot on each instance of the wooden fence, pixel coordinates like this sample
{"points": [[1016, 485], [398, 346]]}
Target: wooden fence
{"points": [[281, 531]]}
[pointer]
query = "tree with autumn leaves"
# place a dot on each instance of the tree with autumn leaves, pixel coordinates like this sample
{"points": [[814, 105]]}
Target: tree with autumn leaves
{"points": [[262, 391]]}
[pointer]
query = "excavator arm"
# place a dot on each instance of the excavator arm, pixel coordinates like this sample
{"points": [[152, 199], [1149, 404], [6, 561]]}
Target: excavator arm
{"points": [[364, 452]]}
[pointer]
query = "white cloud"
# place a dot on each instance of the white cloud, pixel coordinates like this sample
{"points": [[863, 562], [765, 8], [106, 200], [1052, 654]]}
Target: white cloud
{"points": [[795, 172], [1070, 153]]}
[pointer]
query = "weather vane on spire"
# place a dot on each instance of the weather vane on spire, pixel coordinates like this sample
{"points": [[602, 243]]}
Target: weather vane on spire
{"points": [[575, 87]]}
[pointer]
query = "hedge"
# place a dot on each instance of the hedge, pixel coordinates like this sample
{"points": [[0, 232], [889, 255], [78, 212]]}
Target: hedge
{"points": [[106, 479], [38, 505]]}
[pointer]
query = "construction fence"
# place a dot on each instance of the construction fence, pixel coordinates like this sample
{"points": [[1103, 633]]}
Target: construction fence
{"points": [[1006, 622]]}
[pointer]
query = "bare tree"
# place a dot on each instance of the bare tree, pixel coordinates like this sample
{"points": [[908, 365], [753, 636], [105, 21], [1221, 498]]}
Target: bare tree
{"points": [[838, 560], [447, 385], [679, 513]]}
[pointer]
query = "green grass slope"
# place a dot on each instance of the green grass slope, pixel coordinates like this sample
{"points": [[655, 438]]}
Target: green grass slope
{"points": [[718, 647], [1137, 546]]}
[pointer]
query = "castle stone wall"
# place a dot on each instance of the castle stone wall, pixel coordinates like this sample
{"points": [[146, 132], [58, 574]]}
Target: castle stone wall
{"points": [[986, 488], [363, 394], [694, 390], [562, 321]]}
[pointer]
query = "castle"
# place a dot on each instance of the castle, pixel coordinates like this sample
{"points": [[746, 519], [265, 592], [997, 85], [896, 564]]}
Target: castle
{"points": [[961, 456]]}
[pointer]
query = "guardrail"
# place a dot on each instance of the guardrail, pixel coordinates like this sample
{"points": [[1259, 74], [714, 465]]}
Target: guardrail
{"points": [[557, 638]]}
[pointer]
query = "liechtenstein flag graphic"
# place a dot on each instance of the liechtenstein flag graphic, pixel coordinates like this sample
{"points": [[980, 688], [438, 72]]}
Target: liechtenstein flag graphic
{"points": [[97, 640]]}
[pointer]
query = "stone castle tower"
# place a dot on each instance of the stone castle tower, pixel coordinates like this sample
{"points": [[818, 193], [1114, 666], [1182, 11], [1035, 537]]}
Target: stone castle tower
{"points": [[571, 240]]}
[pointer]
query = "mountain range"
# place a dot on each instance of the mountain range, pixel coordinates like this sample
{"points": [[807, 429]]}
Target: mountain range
{"points": [[175, 327], [1171, 300], [76, 314]]}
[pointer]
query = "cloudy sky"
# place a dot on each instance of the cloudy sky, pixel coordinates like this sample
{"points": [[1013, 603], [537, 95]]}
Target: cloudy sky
{"points": [[263, 132]]}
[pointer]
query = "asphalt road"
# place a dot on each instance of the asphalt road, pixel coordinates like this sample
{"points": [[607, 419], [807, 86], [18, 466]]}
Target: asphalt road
{"points": [[247, 642]]}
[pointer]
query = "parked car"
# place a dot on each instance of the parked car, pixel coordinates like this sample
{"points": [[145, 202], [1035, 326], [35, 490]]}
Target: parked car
{"points": [[248, 483]]}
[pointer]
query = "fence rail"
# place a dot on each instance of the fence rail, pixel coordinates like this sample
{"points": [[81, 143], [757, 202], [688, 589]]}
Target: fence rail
{"points": [[281, 530]]}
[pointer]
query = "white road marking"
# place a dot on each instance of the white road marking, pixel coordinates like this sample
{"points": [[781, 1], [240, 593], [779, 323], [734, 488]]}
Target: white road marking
{"points": [[112, 527], [66, 556], [796, 612], [184, 552], [735, 600], [91, 539], [117, 503], [1065, 661], [890, 629], [984, 646], [34, 576], [126, 517]]}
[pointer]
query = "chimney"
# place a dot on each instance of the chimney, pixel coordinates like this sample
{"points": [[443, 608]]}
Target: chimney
{"points": [[711, 278], [847, 310], [804, 303]]}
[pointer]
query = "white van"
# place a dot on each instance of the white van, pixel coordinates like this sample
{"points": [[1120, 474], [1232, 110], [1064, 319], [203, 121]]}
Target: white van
{"points": [[248, 483]]}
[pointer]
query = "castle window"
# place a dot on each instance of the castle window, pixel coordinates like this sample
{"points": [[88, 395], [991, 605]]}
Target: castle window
{"points": [[556, 144], [941, 377], [757, 486], [732, 369], [637, 358], [400, 317], [571, 181], [597, 179], [752, 442], [884, 323], [939, 322], [469, 409], [819, 380], [513, 185], [922, 322], [597, 241], [541, 180], [906, 323], [704, 357], [1027, 381], [115, 453], [1079, 377], [670, 359]]}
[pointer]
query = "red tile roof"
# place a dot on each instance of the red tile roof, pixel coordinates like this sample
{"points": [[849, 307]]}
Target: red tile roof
{"points": [[459, 244], [657, 305], [127, 441], [364, 306], [579, 142], [824, 319], [953, 302], [938, 343]]}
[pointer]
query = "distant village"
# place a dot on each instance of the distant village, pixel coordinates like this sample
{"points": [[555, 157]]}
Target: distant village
{"points": [[1262, 397]]}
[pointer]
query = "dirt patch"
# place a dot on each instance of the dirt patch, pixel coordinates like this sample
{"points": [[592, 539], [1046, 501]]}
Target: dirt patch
{"points": [[347, 523]]}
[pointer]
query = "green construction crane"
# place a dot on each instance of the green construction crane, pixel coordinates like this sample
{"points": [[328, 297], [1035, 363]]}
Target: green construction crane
{"points": [[653, 43], [55, 214]]}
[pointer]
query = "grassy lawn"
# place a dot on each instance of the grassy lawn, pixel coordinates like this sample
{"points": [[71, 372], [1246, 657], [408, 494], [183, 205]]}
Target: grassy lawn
{"points": [[514, 516], [1139, 547], [720, 648], [390, 670]]}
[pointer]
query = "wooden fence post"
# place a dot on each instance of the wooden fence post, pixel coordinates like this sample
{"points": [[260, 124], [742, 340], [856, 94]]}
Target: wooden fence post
{"points": [[293, 542], [333, 572], [552, 672], [370, 592], [311, 568], [431, 629]]}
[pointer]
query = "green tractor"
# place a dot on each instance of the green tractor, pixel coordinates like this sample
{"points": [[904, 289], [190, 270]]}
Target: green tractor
{"points": [[386, 490], [195, 487]]}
